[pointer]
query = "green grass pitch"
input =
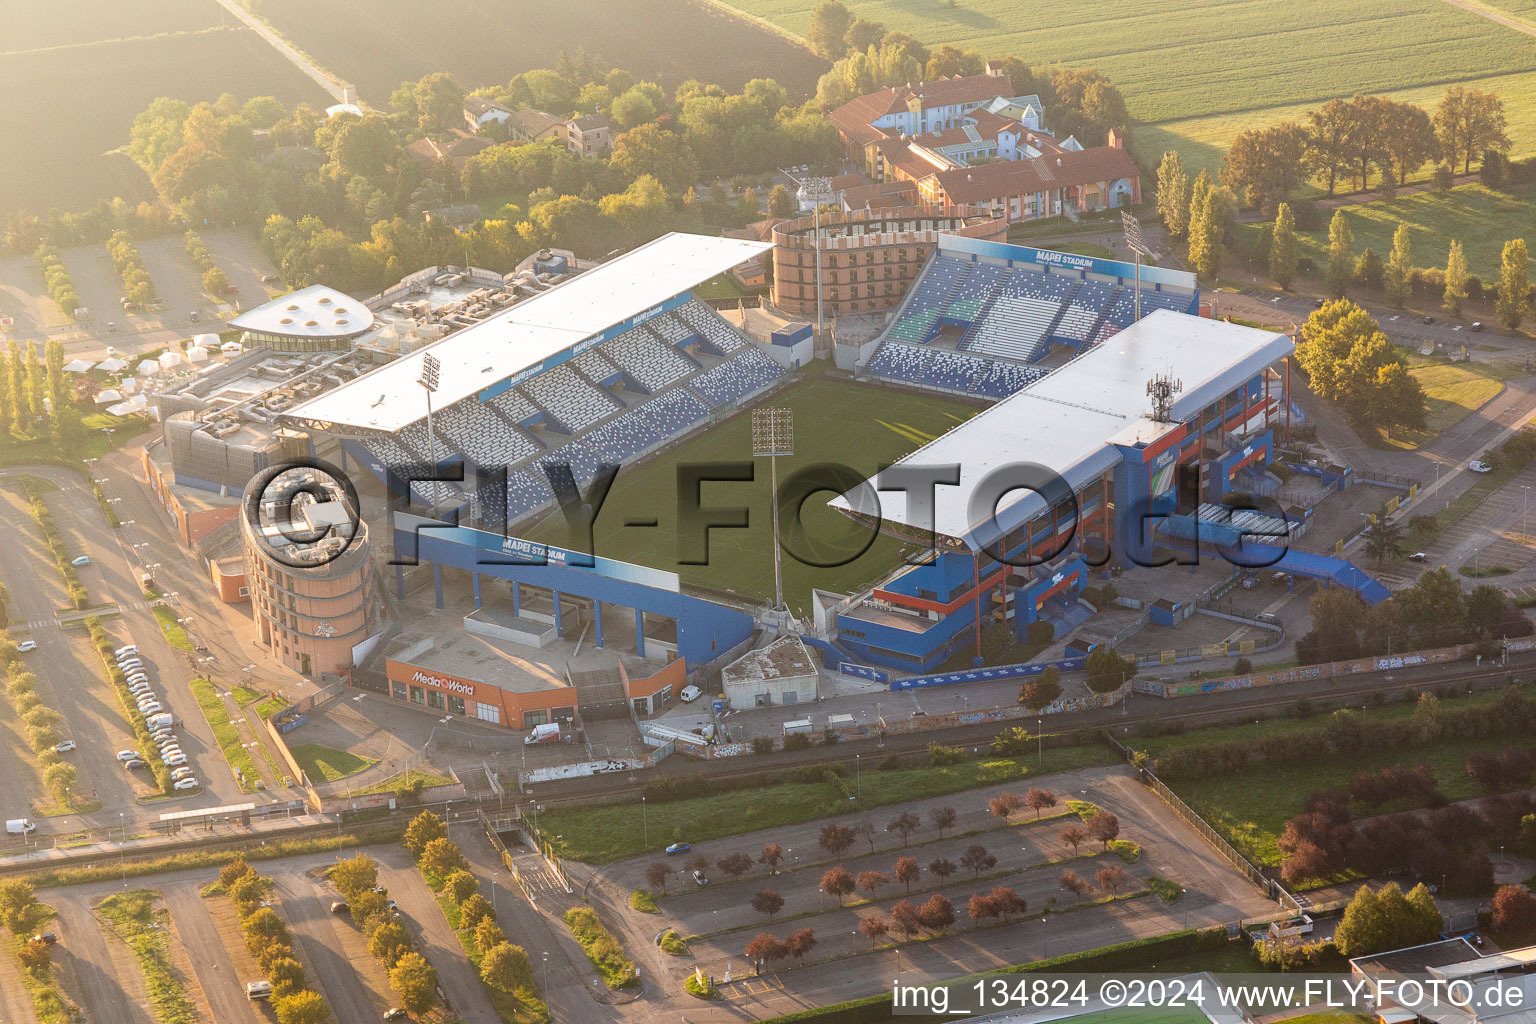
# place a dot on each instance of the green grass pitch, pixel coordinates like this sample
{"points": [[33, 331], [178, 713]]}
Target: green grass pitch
{"points": [[864, 426]]}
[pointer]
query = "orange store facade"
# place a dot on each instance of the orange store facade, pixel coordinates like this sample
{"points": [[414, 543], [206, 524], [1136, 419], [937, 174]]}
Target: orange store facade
{"points": [[446, 694]]}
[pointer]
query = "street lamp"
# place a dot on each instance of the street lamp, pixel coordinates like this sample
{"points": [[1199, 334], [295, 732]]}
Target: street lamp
{"points": [[494, 876], [645, 828], [858, 786]]}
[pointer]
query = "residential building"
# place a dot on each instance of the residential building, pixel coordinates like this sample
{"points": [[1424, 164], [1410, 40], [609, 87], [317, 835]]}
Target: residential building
{"points": [[530, 125], [590, 136], [479, 112]]}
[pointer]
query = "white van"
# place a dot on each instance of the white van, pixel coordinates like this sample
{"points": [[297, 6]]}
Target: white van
{"points": [[154, 722], [549, 732], [19, 827], [258, 990]]}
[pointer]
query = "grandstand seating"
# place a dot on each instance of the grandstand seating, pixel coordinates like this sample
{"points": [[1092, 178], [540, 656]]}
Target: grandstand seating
{"points": [[582, 460], [1014, 326], [527, 491], [749, 372], [1077, 323], [514, 406], [671, 329], [391, 452], [572, 401], [1004, 378], [972, 291], [674, 412], [928, 299], [622, 437], [595, 366], [717, 334], [900, 362], [651, 363], [953, 370], [485, 437], [416, 438]]}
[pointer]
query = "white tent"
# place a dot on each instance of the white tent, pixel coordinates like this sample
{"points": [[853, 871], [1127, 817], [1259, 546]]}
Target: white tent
{"points": [[231, 348], [112, 364], [128, 385], [108, 396], [147, 367], [197, 354], [170, 359], [78, 366], [206, 340]]}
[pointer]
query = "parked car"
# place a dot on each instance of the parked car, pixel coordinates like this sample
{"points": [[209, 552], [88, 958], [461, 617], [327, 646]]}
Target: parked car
{"points": [[340, 907], [82, 560], [27, 645], [185, 784], [125, 649], [152, 708], [269, 279], [135, 764], [111, 326], [700, 879], [1428, 320], [127, 755], [679, 848], [395, 1013], [45, 938], [64, 747], [1477, 325], [1479, 466], [1418, 556], [175, 760], [177, 774], [194, 316]]}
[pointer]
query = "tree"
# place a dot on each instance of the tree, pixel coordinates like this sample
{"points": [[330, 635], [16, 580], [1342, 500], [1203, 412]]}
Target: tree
{"points": [[698, 862], [389, 943], [1073, 883], [263, 927], [735, 864], [977, 859], [942, 867], [488, 933], [439, 104], [1039, 693], [904, 916], [942, 818], [1514, 285], [304, 1007], [767, 902], [870, 881], [459, 886], [1106, 670], [862, 35], [474, 910], [1039, 800], [232, 872], [1384, 537], [1407, 139], [1073, 836], [656, 875], [634, 107], [1470, 121], [1455, 279], [1005, 805], [800, 942], [1007, 901], [837, 882], [781, 202], [771, 855], [1265, 165], [1385, 919], [764, 949], [506, 967], [1103, 827], [1340, 260], [980, 907], [906, 871], [1206, 249], [414, 982], [903, 825], [1368, 272], [424, 828], [664, 155], [1173, 194], [1399, 263], [442, 856], [286, 975], [1514, 909], [866, 830], [1282, 247], [16, 902], [874, 929], [835, 838], [830, 22], [936, 914], [1110, 879]]}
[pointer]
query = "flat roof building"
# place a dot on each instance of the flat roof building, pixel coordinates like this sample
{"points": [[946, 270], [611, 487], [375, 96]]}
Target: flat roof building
{"points": [[313, 319]]}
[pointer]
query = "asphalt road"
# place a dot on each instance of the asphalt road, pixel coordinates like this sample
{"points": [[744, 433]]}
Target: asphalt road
{"points": [[310, 920], [221, 983], [104, 993]]}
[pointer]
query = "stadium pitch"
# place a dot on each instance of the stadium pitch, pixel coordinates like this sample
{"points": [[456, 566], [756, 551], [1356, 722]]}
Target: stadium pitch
{"points": [[864, 426]]}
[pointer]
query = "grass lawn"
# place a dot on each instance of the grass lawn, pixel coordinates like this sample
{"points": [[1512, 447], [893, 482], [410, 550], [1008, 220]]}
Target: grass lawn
{"points": [[327, 764], [864, 426], [1480, 218], [1452, 392], [610, 832], [174, 634], [405, 778], [721, 286], [1252, 816], [265, 706], [134, 918], [225, 732]]}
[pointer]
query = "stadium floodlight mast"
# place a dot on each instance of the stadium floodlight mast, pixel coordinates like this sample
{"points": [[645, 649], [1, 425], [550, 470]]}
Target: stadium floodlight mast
{"points": [[773, 434], [431, 369], [816, 191], [1134, 242]]}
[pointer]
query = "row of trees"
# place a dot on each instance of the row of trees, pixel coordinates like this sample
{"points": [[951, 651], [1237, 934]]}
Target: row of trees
{"points": [[269, 943], [22, 913], [214, 278], [1377, 920], [39, 722], [61, 287], [35, 397], [1349, 140], [1349, 360], [129, 264]]}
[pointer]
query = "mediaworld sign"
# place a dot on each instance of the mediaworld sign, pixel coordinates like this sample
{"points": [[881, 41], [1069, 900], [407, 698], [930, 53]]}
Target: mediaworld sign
{"points": [[443, 683]]}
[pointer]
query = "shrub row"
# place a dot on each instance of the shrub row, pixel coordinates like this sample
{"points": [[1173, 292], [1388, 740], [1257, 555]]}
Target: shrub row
{"points": [[129, 264], [267, 938], [56, 278], [133, 919], [55, 543], [214, 279], [147, 747], [40, 722]]}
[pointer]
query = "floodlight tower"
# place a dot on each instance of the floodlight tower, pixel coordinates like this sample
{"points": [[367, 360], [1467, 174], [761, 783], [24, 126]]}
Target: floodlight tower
{"points": [[1138, 247], [816, 191], [773, 434], [431, 369]]}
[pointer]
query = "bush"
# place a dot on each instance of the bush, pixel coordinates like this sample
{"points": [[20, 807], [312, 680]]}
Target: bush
{"points": [[1040, 632], [762, 744], [797, 741], [1242, 666], [940, 756]]}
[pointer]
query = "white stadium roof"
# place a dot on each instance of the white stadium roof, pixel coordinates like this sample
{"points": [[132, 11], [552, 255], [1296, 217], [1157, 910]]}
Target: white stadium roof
{"points": [[313, 312], [1067, 420], [528, 333]]}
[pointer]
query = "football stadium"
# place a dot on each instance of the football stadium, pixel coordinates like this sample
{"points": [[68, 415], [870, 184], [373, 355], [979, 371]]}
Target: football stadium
{"points": [[999, 354]]}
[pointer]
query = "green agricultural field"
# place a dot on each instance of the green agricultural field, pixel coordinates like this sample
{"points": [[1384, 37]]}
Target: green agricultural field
{"points": [[69, 163], [486, 42], [1480, 218], [862, 425], [1189, 58]]}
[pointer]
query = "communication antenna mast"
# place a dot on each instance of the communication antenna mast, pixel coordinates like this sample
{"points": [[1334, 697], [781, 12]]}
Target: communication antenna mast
{"points": [[1162, 388]]}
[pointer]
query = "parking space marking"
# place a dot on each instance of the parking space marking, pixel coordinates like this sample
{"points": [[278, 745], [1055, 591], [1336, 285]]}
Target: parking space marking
{"points": [[751, 987]]}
